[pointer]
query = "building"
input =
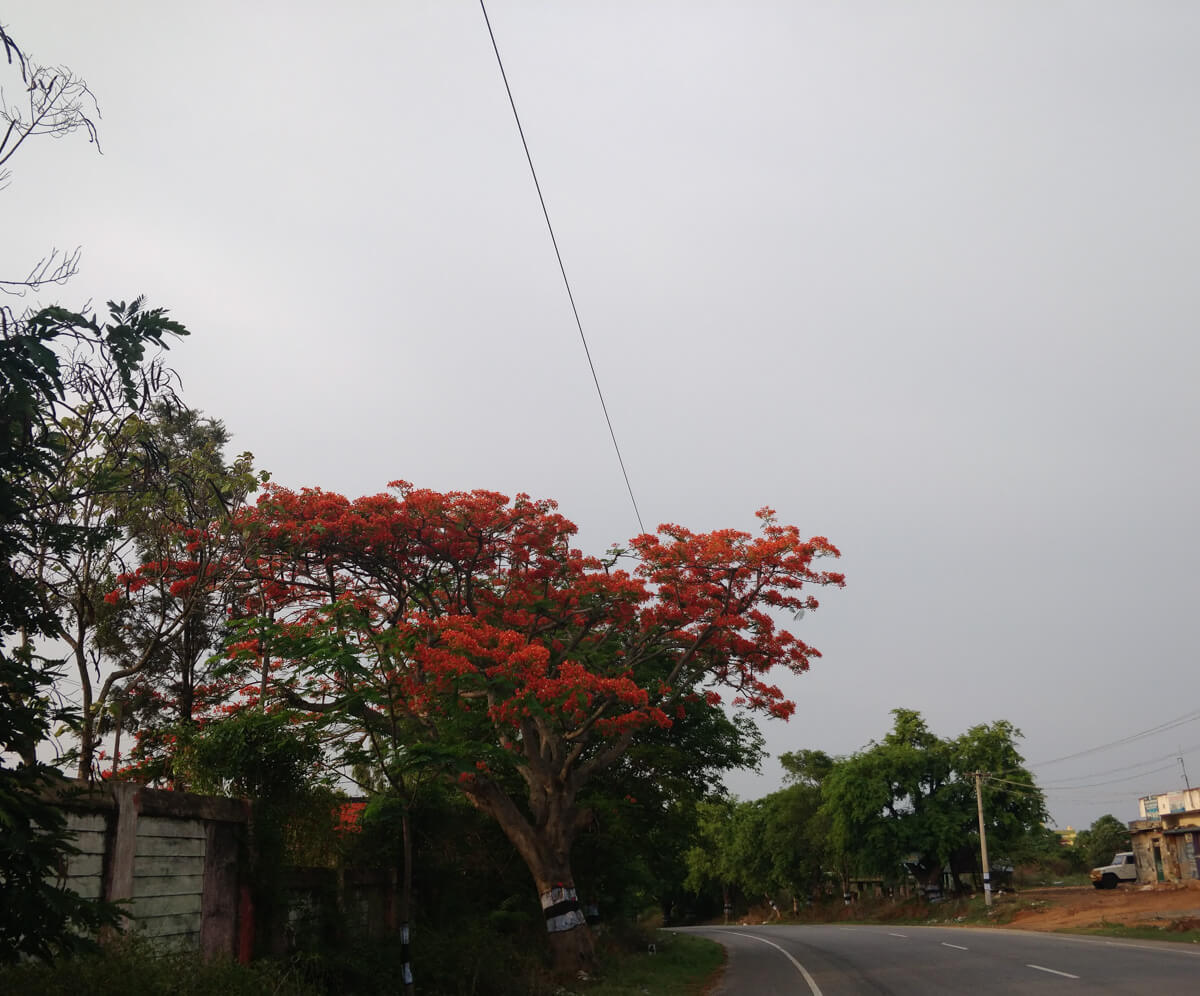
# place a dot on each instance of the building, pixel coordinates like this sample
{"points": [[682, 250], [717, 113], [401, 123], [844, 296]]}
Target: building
{"points": [[1065, 837], [1166, 837]]}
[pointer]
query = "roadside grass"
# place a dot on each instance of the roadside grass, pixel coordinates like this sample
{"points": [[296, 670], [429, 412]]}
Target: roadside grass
{"points": [[681, 965], [133, 966]]}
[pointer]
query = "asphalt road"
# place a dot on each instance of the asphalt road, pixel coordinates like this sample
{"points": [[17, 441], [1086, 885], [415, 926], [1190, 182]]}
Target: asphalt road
{"points": [[917, 961]]}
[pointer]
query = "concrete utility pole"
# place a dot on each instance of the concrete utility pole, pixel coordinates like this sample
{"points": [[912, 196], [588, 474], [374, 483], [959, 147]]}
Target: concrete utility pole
{"points": [[987, 873]]}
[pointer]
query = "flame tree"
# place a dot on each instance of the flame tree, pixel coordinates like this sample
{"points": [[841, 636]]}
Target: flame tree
{"points": [[463, 628]]}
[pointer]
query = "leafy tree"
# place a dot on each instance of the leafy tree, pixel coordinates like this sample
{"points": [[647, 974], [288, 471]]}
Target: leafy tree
{"points": [[645, 806], [1106, 836], [174, 507], [40, 355], [43, 357], [37, 915], [99, 452], [465, 624], [806, 767], [713, 859], [909, 800], [795, 835], [769, 848]]}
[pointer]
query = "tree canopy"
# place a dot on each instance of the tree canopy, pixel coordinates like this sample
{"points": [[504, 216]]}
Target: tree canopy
{"points": [[908, 801], [463, 627]]}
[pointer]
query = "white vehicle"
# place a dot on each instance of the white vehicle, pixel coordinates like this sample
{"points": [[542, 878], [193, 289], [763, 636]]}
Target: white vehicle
{"points": [[1122, 869]]}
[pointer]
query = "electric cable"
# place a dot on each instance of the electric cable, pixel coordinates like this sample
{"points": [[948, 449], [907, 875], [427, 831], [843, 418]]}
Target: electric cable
{"points": [[1174, 755], [561, 266], [1067, 787], [1169, 724]]}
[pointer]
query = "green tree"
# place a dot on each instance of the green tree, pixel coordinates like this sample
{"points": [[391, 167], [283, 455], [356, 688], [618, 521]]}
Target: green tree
{"points": [[40, 354], [1106, 836], [646, 807], [174, 504], [37, 915], [908, 802], [806, 767], [712, 860], [101, 460]]}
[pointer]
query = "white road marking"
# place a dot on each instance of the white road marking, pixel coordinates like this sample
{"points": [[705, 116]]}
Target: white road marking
{"points": [[812, 983], [959, 946], [892, 933], [1053, 971]]}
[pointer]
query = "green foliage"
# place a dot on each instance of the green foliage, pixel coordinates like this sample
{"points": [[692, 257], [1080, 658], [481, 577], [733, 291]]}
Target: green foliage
{"points": [[646, 808], [45, 359], [908, 802], [806, 767], [450, 963], [36, 917], [252, 755], [134, 966], [172, 500], [712, 860], [681, 966], [1106, 836], [774, 847]]}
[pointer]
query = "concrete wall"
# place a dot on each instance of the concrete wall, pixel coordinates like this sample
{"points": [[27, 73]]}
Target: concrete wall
{"points": [[173, 858], [179, 863]]}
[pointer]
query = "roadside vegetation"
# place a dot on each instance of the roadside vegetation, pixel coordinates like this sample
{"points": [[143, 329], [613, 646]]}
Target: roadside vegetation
{"points": [[679, 965]]}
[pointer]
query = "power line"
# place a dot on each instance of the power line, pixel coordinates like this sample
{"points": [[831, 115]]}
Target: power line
{"points": [[562, 268], [1068, 787], [1173, 755], [1170, 724], [1026, 787]]}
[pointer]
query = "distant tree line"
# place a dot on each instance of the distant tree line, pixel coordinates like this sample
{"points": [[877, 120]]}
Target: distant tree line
{"points": [[900, 812]]}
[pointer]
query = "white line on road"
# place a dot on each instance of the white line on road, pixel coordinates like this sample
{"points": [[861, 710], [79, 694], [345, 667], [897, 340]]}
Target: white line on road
{"points": [[892, 933], [812, 983], [959, 946], [1053, 971]]}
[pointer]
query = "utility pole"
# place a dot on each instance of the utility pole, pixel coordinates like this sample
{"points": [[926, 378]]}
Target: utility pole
{"points": [[987, 873]]}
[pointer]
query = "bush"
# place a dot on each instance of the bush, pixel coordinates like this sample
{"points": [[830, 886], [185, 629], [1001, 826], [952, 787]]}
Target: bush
{"points": [[133, 965]]}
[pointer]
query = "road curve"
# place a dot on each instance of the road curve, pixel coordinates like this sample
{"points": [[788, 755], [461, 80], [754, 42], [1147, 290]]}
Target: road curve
{"points": [[836, 960]]}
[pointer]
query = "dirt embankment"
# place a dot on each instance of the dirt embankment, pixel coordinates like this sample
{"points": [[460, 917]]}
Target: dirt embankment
{"points": [[1169, 906]]}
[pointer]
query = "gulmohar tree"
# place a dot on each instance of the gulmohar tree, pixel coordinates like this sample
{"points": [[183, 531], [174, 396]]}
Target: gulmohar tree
{"points": [[464, 629]]}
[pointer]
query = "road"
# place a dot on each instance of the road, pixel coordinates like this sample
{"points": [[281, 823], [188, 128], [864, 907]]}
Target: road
{"points": [[903, 960]]}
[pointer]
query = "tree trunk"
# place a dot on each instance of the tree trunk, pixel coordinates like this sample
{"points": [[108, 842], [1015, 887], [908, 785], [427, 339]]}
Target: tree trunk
{"points": [[87, 718], [546, 850], [116, 760]]}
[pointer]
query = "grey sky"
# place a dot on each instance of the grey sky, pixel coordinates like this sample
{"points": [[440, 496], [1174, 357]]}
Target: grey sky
{"points": [[918, 275]]}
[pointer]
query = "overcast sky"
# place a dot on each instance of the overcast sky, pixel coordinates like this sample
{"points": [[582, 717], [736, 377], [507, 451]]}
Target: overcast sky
{"points": [[920, 276]]}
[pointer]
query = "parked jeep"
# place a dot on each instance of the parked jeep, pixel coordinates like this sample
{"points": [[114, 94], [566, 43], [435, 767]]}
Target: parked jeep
{"points": [[1122, 869]]}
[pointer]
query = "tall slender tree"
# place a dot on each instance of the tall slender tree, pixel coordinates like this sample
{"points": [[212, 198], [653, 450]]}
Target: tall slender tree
{"points": [[159, 638]]}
